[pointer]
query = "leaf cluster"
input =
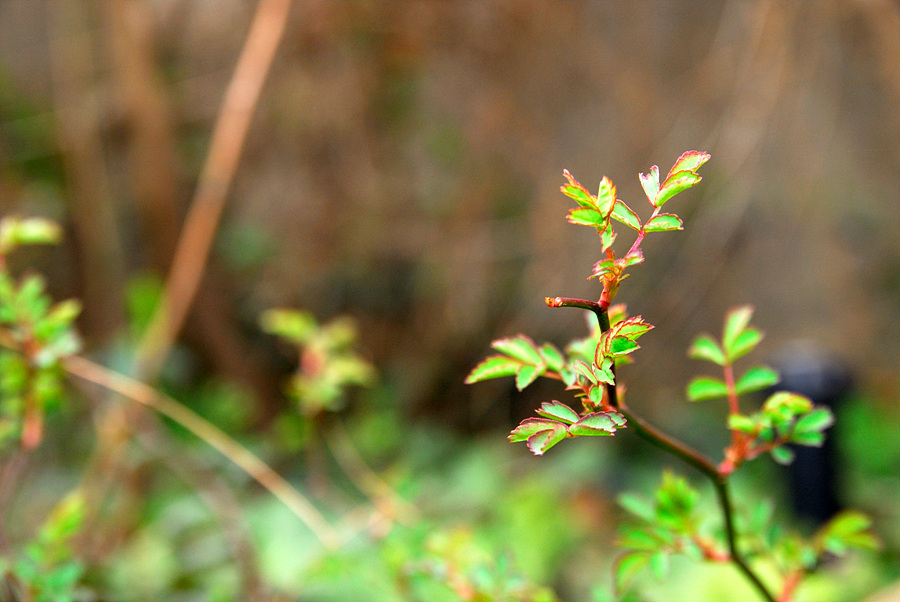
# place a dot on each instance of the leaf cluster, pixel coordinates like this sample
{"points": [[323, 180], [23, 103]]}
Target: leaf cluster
{"points": [[598, 211], [37, 334], [586, 367], [328, 364], [784, 417], [660, 528], [46, 570]]}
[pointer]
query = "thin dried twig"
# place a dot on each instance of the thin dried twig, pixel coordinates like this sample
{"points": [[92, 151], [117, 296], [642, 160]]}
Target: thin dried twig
{"points": [[215, 180], [261, 472]]}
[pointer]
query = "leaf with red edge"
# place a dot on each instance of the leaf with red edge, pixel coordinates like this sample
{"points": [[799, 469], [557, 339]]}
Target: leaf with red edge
{"points": [[558, 411], [530, 426], [622, 346], [496, 366], [527, 374], [690, 160], [541, 441], [598, 424], [586, 216], [650, 183], [606, 197], [602, 267], [577, 192], [607, 237], [632, 328], [519, 347], [624, 214], [664, 222], [675, 183], [633, 258]]}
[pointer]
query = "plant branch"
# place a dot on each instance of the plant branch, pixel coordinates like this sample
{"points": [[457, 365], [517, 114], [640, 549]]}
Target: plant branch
{"points": [[693, 457], [261, 472]]}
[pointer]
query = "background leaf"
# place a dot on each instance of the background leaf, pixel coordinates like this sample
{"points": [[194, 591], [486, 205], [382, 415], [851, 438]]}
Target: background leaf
{"points": [[705, 387]]}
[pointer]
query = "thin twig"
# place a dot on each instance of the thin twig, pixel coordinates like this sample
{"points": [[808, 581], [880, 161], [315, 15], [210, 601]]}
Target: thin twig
{"points": [[212, 435], [201, 223]]}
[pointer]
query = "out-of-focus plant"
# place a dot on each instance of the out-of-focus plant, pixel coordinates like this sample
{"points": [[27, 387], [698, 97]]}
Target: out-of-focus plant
{"points": [[328, 364], [39, 334], [671, 523], [46, 570]]}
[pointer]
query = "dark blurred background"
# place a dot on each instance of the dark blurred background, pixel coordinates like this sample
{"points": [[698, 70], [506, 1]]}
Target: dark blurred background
{"points": [[403, 167]]}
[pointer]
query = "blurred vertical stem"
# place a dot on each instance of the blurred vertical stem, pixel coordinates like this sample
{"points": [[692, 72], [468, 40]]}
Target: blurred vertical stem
{"points": [[216, 176]]}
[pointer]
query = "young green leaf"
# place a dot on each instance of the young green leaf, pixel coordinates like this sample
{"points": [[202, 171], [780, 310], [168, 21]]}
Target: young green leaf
{"points": [[558, 411], [736, 321], [689, 161], [815, 421], [623, 213], [541, 441], [598, 423], [650, 183], [808, 439], [637, 505], [704, 387], [849, 529], [664, 222], [706, 348], [586, 216], [552, 357], [675, 183], [527, 374], [519, 347], [577, 192], [496, 366], [607, 237], [743, 344], [531, 426], [606, 197], [794, 403], [783, 455], [627, 567], [622, 346], [756, 379], [744, 424]]}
